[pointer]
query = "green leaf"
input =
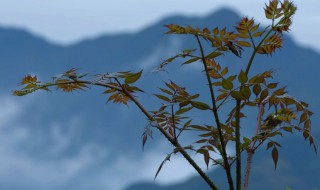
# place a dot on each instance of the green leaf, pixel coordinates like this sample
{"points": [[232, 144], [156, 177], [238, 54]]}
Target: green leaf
{"points": [[224, 71], [185, 103], [216, 84], [201, 141], [231, 78], [200, 105], [191, 60], [264, 94], [133, 78], [166, 91], [306, 134], [254, 28], [288, 129], [256, 89], [188, 51], [257, 34], [163, 97], [133, 89], [194, 96], [221, 96], [199, 127], [183, 110], [29, 86], [272, 85], [227, 84], [187, 123], [280, 91], [170, 86], [243, 78], [247, 140], [275, 156], [245, 92], [303, 117], [307, 124], [206, 157], [270, 144], [213, 54], [243, 43], [237, 95]]}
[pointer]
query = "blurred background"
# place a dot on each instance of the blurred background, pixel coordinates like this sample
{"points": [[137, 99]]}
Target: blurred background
{"points": [[57, 141]]}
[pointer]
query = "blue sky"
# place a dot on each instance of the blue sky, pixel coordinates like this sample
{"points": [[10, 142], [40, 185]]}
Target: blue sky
{"points": [[67, 21]]}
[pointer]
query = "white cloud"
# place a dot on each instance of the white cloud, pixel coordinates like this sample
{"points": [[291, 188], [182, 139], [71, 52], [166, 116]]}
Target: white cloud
{"points": [[18, 167], [128, 169], [151, 61], [60, 137], [92, 161]]}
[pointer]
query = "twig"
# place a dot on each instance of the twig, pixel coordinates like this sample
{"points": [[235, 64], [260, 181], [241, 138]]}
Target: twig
{"points": [[216, 116], [252, 149]]}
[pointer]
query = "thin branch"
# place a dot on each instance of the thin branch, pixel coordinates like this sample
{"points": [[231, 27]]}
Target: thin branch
{"points": [[172, 141], [256, 49], [238, 143], [251, 150], [216, 116], [149, 116], [173, 124]]}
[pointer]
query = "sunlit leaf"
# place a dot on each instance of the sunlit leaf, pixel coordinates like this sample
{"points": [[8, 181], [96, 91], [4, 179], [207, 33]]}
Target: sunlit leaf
{"points": [[133, 77], [257, 34], [213, 54], [243, 43], [224, 71]]}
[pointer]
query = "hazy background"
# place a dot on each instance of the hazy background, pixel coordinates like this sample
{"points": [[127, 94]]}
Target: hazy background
{"points": [[57, 141], [67, 21]]}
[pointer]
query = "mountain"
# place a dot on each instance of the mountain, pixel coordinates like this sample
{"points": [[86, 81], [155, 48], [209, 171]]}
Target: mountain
{"points": [[75, 141]]}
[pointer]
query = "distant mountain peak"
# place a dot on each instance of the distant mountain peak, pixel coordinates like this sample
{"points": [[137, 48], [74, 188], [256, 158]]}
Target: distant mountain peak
{"points": [[224, 11]]}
